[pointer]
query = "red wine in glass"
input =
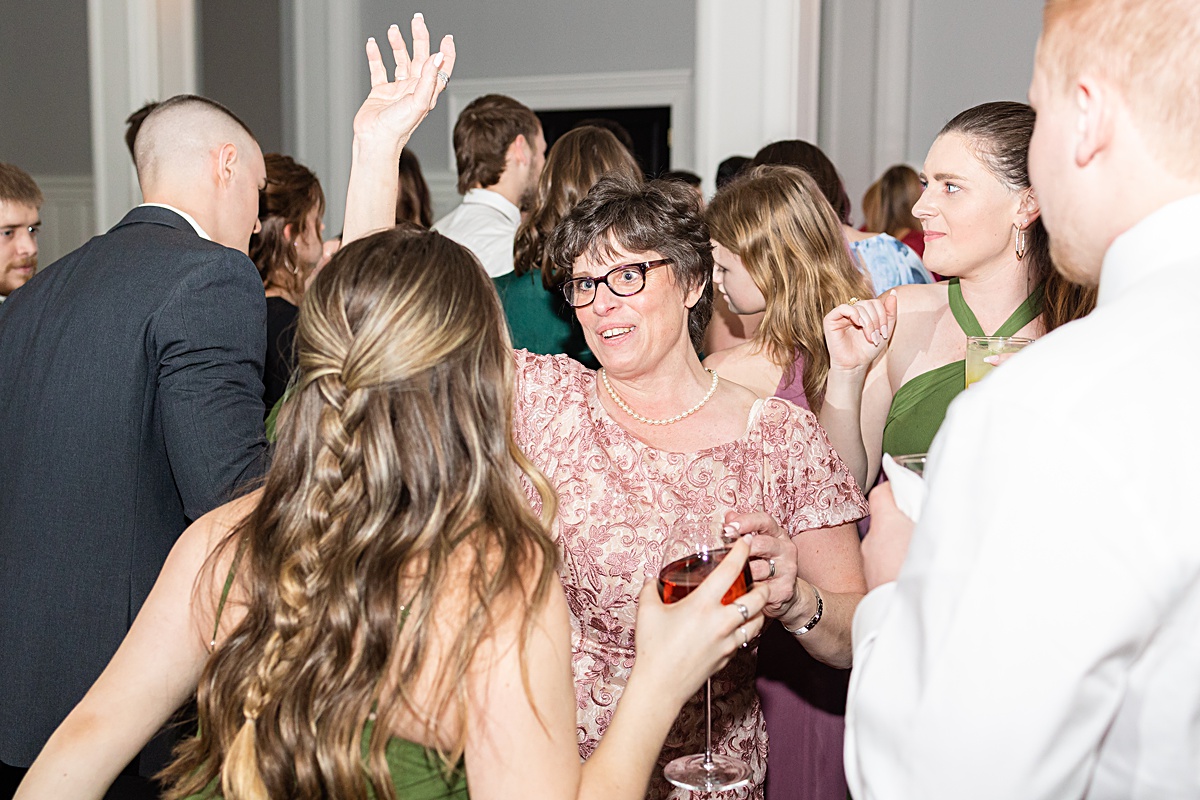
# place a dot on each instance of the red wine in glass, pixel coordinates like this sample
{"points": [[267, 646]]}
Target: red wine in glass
{"points": [[681, 576], [691, 553]]}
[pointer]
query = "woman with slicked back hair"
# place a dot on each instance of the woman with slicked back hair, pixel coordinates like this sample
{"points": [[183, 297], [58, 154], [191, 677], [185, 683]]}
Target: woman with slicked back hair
{"points": [[898, 362], [539, 319]]}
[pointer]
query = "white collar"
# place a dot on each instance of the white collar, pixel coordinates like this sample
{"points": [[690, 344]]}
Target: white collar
{"points": [[496, 200], [190, 219], [1159, 241]]}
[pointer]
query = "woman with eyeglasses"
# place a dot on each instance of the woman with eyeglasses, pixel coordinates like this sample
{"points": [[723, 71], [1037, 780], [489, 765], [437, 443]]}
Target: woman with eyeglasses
{"points": [[652, 439]]}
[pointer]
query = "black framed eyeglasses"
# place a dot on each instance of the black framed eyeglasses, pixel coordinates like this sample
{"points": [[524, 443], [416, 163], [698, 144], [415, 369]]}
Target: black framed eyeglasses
{"points": [[623, 281]]}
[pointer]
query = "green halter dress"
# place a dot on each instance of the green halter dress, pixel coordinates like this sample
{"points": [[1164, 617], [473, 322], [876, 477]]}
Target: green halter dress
{"points": [[417, 774], [919, 406]]}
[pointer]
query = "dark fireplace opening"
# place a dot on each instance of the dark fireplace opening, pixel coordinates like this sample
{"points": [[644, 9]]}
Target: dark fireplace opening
{"points": [[649, 128]]}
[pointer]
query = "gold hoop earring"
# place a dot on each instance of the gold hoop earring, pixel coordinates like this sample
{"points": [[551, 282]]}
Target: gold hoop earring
{"points": [[1022, 244]]}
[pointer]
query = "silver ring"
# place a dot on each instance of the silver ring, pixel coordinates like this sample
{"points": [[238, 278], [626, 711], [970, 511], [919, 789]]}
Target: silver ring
{"points": [[771, 564], [745, 612], [745, 638], [443, 77]]}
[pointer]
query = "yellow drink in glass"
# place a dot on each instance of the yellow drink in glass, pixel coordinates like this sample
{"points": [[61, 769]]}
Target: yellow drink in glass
{"points": [[981, 347]]}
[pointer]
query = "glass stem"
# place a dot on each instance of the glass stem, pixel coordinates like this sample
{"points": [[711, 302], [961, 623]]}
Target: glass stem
{"points": [[708, 722]]}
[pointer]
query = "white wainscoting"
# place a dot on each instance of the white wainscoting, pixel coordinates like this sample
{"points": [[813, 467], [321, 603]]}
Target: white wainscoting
{"points": [[68, 215]]}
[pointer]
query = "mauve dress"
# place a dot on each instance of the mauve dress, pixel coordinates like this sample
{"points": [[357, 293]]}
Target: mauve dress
{"points": [[803, 700], [618, 499]]}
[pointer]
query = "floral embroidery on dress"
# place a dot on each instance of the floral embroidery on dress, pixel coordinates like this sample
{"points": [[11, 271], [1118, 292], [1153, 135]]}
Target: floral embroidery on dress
{"points": [[618, 499]]}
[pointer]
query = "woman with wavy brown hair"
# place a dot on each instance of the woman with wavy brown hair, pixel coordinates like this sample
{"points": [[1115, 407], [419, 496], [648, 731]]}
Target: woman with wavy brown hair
{"points": [[537, 316], [382, 617], [286, 250]]}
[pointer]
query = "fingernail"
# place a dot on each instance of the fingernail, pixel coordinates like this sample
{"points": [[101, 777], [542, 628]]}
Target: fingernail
{"points": [[875, 337], [418, 15], [748, 538], [449, 36], [993, 360], [885, 331], [394, 27], [737, 526], [729, 530], [438, 58], [893, 291]]}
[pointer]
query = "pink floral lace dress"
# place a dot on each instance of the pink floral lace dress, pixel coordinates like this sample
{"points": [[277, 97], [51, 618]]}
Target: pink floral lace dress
{"points": [[618, 499]]}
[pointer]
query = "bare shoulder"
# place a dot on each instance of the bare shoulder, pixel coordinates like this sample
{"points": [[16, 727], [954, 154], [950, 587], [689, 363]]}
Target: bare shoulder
{"points": [[210, 529], [919, 296], [747, 367]]}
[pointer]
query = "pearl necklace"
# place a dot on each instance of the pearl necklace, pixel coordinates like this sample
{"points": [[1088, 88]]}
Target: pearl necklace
{"points": [[624, 407]]}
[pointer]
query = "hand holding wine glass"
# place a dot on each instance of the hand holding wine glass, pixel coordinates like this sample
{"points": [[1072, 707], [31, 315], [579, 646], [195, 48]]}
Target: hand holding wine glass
{"points": [[685, 642], [707, 576]]}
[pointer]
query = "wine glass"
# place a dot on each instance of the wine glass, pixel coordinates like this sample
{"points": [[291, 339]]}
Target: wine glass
{"points": [[691, 552]]}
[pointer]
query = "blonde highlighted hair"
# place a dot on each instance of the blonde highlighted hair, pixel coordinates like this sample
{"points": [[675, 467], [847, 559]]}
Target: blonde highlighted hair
{"points": [[395, 465], [1149, 50], [790, 240]]}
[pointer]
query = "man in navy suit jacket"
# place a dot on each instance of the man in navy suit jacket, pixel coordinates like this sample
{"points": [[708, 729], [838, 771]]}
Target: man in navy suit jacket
{"points": [[130, 404]]}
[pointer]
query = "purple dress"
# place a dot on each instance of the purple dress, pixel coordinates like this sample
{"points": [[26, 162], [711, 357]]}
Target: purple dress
{"points": [[803, 700]]}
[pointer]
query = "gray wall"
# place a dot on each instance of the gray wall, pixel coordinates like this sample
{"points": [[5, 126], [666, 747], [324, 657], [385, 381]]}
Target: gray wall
{"points": [[241, 62], [541, 37], [964, 56], [960, 54], [44, 86]]}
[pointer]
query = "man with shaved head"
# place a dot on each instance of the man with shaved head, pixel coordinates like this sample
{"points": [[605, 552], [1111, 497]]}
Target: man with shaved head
{"points": [[130, 404], [1040, 640]]}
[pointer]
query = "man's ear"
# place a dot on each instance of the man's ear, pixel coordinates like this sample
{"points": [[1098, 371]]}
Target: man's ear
{"points": [[1094, 118], [519, 151], [227, 163]]}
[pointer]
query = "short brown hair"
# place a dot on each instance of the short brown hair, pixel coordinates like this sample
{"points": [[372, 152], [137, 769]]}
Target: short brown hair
{"points": [[16, 186], [663, 216], [482, 134], [1149, 50]]}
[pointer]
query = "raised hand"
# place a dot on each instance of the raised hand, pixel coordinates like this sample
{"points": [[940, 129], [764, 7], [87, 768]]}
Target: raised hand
{"points": [[856, 334], [394, 108]]}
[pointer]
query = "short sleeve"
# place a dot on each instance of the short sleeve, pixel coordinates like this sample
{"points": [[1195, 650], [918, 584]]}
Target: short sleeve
{"points": [[807, 484], [547, 389]]}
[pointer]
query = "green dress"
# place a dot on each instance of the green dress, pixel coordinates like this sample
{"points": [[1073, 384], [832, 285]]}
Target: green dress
{"points": [[920, 405], [417, 773], [540, 320]]}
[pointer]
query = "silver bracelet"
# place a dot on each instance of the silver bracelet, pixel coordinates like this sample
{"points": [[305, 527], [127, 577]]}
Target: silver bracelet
{"points": [[812, 623]]}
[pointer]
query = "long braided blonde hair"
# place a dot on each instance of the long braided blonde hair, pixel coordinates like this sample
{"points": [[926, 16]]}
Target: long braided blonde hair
{"points": [[396, 456]]}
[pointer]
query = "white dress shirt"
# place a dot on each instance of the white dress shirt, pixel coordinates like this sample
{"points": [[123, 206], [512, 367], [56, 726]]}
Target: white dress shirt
{"points": [[1043, 637], [486, 224], [187, 217]]}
